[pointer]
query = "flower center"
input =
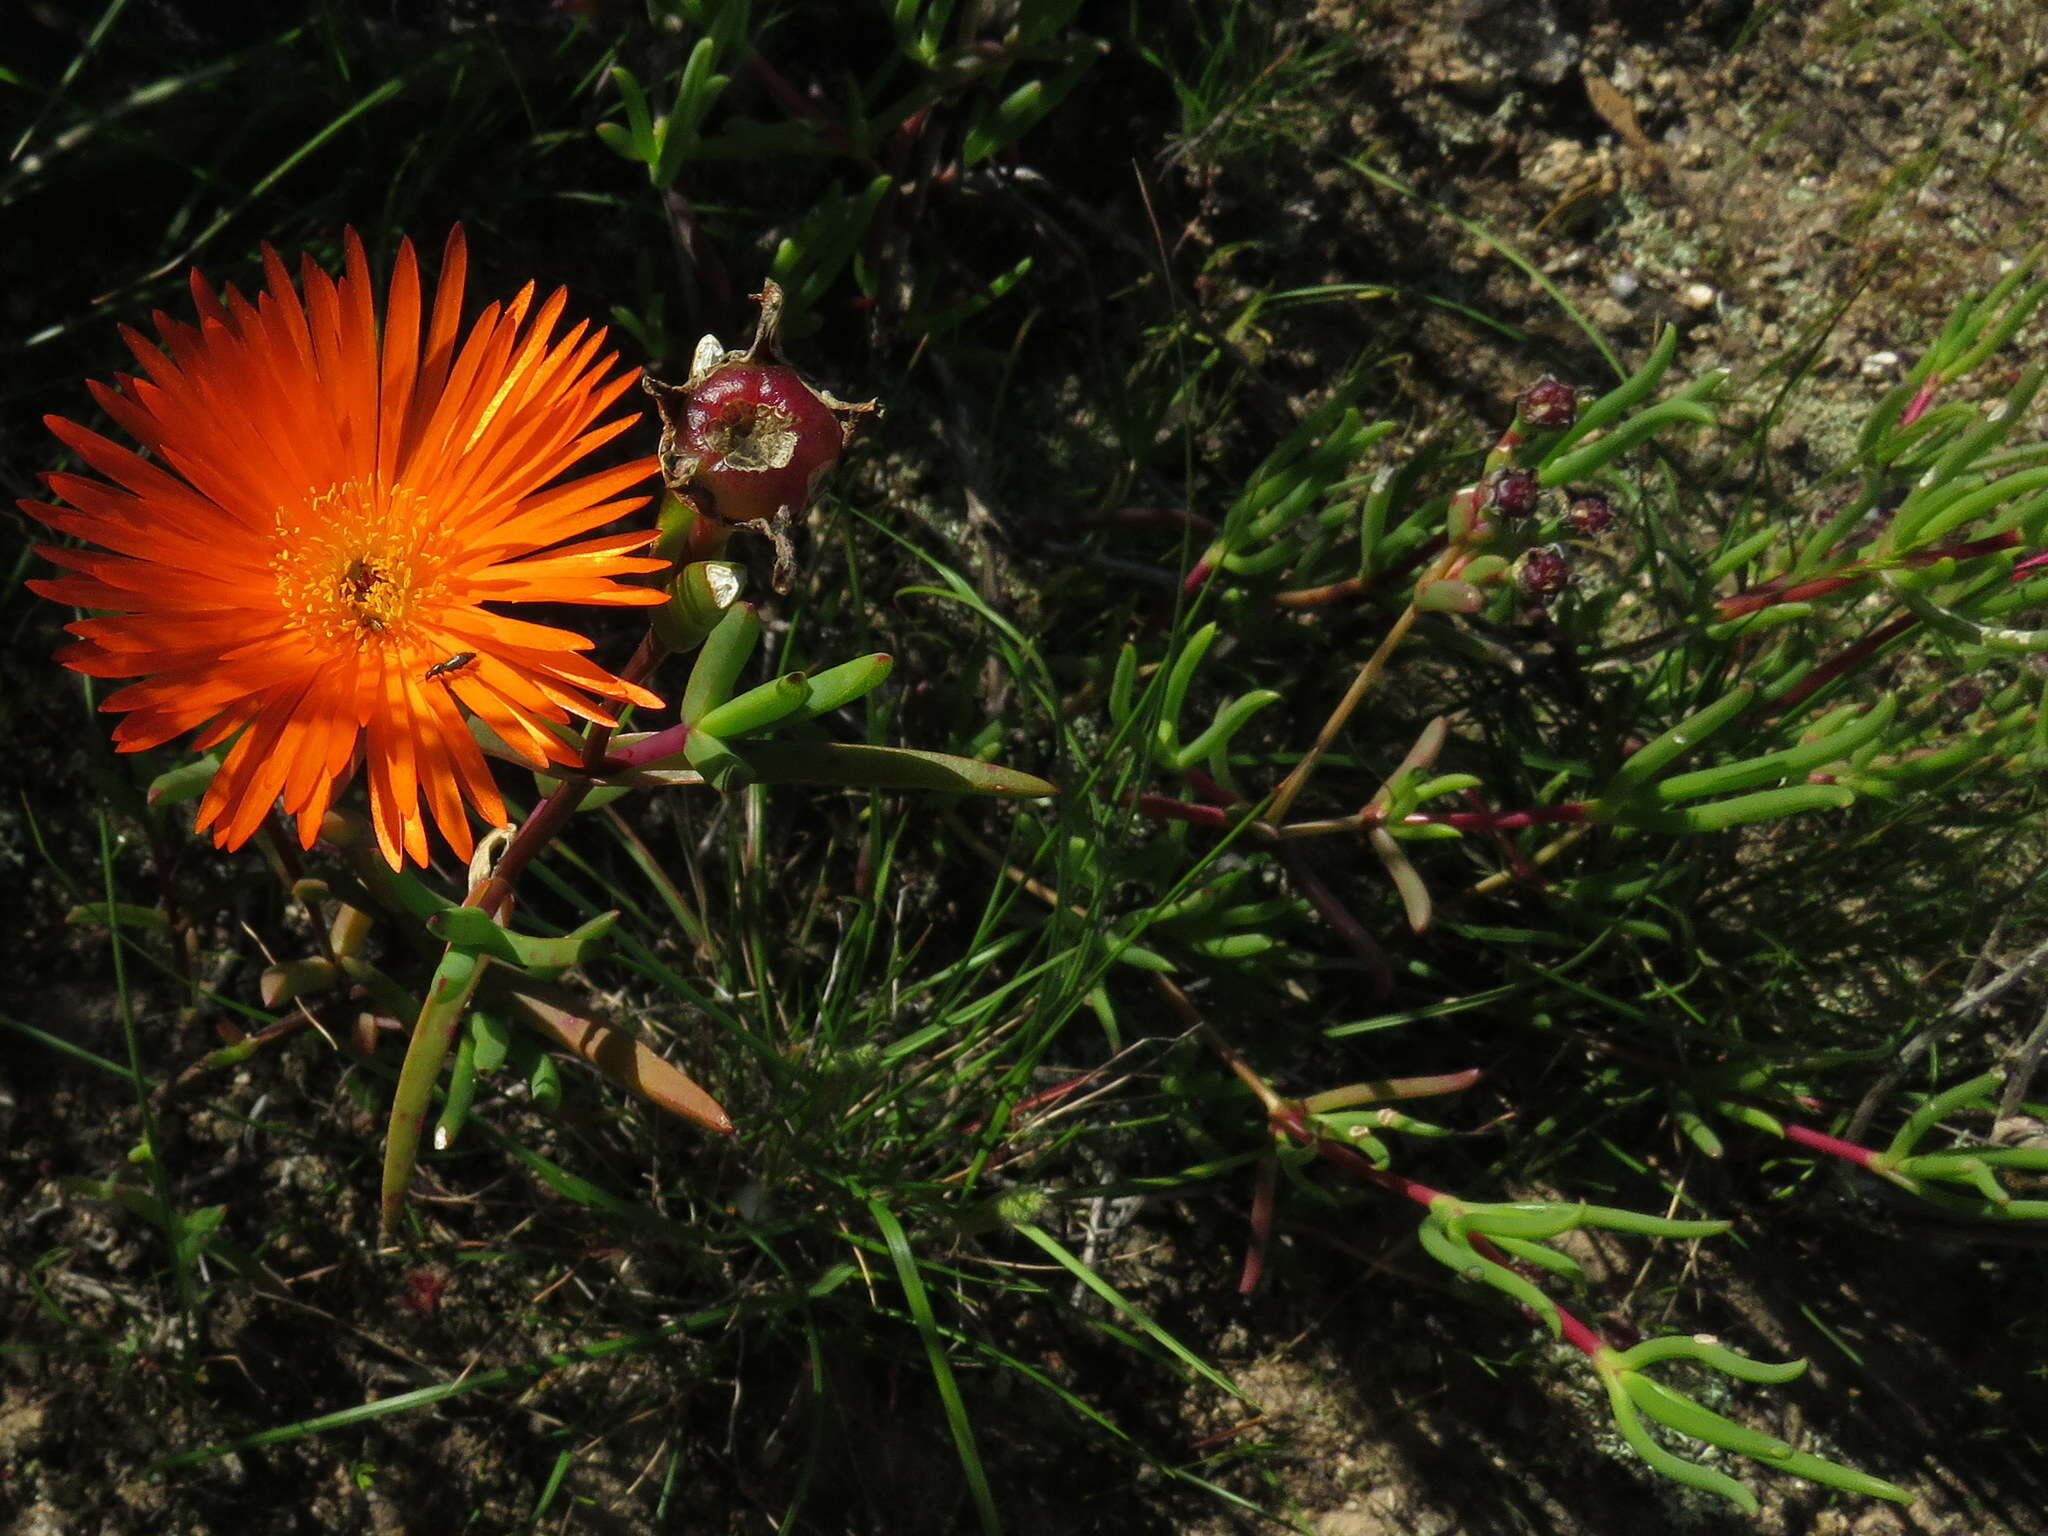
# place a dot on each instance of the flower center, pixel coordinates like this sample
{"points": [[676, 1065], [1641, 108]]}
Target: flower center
{"points": [[358, 565]]}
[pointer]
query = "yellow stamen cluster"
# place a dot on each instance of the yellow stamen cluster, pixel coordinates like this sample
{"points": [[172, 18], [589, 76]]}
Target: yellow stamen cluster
{"points": [[359, 564]]}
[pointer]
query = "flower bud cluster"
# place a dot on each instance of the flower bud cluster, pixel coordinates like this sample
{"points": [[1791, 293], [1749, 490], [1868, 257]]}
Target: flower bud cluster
{"points": [[1492, 525]]}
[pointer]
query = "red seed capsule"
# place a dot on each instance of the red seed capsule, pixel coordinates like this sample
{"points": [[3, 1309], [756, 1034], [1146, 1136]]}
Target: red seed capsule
{"points": [[1590, 514], [745, 439], [760, 438], [1543, 572], [1511, 492], [1548, 405]]}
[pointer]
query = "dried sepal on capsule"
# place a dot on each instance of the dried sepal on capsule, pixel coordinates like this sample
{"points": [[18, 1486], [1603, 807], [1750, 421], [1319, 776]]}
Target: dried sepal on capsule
{"points": [[747, 439]]}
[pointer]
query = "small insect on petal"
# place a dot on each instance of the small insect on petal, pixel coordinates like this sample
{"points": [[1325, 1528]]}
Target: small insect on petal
{"points": [[461, 661]]}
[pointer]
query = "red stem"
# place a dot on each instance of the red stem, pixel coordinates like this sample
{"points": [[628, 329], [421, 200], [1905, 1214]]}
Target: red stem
{"points": [[1037, 1100], [1922, 398], [494, 892], [1263, 1196], [1295, 861], [1842, 662], [1209, 789], [1502, 821], [1362, 586], [1834, 1146], [1523, 870], [1758, 598], [1580, 1334], [1347, 927], [1166, 808], [637, 754], [1769, 594]]}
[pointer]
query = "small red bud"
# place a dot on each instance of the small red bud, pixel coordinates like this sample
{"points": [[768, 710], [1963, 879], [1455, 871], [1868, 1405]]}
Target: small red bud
{"points": [[1590, 514], [1511, 492], [1548, 405], [1543, 572]]}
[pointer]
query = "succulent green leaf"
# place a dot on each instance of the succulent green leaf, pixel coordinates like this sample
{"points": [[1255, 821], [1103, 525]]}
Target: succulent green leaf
{"points": [[1709, 1351], [492, 1034], [1774, 617], [1179, 676], [696, 89], [1545, 1258], [1617, 402], [639, 125], [836, 687], [448, 995], [1447, 595], [1456, 1253], [1938, 1164], [1679, 1470], [187, 781], [1833, 1474], [1963, 503], [1234, 946], [128, 914], [1738, 555], [1123, 684], [1804, 758], [1683, 738], [1682, 1414], [758, 709], [1596, 455], [1230, 719], [1530, 1220], [721, 767], [544, 1083], [700, 596], [1719, 815], [1676, 1411], [865, 767], [474, 930], [461, 1092], [724, 655], [595, 799], [1976, 1093]]}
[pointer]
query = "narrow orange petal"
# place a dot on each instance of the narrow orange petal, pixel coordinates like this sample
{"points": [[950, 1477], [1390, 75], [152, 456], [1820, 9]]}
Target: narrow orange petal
{"points": [[401, 345]]}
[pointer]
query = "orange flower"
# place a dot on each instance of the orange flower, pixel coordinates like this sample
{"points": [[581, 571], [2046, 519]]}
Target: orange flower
{"points": [[323, 518]]}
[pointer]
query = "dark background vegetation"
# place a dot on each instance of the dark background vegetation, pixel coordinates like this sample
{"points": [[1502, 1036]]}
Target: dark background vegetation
{"points": [[1804, 188]]}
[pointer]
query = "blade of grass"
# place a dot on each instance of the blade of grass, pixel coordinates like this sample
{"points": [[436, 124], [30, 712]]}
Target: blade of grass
{"points": [[1109, 1293], [942, 1368]]}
